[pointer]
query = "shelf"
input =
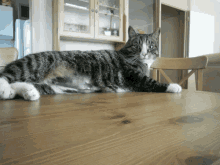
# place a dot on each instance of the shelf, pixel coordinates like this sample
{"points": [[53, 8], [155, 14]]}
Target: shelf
{"points": [[87, 1], [109, 14], [109, 7], [74, 38], [102, 5], [76, 6]]}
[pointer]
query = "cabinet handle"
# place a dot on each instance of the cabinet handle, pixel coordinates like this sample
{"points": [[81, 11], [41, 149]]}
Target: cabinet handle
{"points": [[92, 10], [96, 11]]}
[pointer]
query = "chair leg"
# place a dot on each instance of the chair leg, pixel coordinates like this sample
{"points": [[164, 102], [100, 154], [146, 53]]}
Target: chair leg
{"points": [[158, 76], [200, 79], [196, 79], [155, 74]]}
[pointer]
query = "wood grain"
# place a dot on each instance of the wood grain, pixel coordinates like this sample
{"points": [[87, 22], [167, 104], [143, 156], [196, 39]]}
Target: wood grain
{"points": [[111, 129]]}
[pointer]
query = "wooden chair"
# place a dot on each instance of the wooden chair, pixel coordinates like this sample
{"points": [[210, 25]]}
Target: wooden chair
{"points": [[196, 65], [7, 55]]}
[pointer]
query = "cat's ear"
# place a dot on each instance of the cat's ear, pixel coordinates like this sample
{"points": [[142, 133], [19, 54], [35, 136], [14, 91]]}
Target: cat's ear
{"points": [[156, 34], [131, 32]]}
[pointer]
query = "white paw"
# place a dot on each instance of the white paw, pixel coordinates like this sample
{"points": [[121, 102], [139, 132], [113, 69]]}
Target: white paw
{"points": [[26, 90], [6, 92], [174, 88], [31, 94]]}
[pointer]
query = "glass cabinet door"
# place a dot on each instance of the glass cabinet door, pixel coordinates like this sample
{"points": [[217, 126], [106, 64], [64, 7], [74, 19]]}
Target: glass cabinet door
{"points": [[77, 18], [108, 19]]}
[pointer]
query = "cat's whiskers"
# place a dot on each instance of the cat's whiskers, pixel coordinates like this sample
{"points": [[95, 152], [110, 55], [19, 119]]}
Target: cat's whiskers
{"points": [[133, 60]]}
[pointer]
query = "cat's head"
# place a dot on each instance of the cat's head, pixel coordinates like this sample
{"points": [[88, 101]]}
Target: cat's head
{"points": [[143, 46]]}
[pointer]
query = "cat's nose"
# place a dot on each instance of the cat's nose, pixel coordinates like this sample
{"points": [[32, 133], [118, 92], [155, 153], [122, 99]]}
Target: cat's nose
{"points": [[145, 55]]}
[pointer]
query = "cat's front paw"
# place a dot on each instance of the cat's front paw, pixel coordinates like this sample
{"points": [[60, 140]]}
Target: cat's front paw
{"points": [[174, 88], [6, 92]]}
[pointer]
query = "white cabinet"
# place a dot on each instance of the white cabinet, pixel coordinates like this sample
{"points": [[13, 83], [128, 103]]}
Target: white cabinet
{"points": [[89, 19]]}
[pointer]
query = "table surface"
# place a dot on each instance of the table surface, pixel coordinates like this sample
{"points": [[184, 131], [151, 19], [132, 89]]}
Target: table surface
{"points": [[112, 129]]}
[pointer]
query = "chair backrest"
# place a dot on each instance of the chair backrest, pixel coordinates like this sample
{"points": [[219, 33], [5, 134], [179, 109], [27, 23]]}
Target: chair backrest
{"points": [[196, 64], [180, 63], [7, 55]]}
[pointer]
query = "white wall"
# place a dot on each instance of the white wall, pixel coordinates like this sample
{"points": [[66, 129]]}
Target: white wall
{"points": [[141, 15], [204, 27], [41, 20], [205, 38], [202, 34]]}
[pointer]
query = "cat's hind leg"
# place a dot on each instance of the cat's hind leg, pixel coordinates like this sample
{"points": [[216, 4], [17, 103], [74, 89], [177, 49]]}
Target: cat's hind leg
{"points": [[68, 90], [62, 89], [33, 91], [6, 92]]}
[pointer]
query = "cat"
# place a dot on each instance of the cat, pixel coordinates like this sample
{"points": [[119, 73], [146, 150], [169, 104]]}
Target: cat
{"points": [[62, 72]]}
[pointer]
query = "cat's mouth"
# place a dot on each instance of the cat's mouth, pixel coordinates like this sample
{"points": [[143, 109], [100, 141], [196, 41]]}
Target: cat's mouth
{"points": [[148, 57], [145, 57]]}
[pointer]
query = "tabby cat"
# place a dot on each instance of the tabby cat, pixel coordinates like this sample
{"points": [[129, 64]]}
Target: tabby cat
{"points": [[57, 72]]}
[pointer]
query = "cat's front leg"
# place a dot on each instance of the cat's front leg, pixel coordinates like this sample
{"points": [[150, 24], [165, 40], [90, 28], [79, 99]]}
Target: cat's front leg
{"points": [[174, 88]]}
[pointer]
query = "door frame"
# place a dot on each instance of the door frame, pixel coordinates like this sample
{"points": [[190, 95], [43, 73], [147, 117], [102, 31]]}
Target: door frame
{"points": [[157, 7]]}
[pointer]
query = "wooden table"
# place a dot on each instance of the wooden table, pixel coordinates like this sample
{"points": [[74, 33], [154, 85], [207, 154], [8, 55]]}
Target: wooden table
{"points": [[112, 129]]}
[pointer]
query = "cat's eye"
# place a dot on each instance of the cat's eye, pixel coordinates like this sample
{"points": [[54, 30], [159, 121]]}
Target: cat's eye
{"points": [[136, 42]]}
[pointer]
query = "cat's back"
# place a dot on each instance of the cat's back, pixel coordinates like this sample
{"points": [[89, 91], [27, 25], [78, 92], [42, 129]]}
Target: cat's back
{"points": [[89, 57], [97, 53], [72, 53], [107, 56]]}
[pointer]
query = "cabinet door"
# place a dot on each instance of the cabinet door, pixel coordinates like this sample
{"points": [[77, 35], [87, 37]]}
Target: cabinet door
{"points": [[77, 18], [109, 20]]}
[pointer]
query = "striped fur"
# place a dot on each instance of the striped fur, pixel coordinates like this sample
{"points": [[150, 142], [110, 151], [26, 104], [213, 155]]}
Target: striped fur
{"points": [[55, 72]]}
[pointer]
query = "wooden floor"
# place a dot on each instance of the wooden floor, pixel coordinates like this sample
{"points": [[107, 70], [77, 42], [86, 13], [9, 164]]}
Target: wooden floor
{"points": [[112, 129]]}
